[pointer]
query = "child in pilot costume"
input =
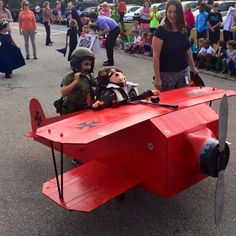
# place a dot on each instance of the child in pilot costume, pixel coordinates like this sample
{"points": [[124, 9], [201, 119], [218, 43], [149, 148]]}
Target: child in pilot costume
{"points": [[114, 90], [77, 87]]}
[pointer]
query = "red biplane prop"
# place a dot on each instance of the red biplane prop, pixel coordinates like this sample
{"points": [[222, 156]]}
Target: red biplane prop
{"points": [[159, 148]]}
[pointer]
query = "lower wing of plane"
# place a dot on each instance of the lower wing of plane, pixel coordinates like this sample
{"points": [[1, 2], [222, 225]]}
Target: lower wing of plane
{"points": [[88, 186]]}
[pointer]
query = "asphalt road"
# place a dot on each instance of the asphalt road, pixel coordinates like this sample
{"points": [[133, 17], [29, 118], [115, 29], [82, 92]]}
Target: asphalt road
{"points": [[25, 165]]}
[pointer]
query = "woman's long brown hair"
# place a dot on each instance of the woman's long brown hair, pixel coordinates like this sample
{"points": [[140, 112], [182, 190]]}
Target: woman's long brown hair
{"points": [[180, 16]]}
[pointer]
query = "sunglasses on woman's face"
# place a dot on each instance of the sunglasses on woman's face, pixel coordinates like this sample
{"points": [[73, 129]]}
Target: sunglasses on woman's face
{"points": [[26, 5]]}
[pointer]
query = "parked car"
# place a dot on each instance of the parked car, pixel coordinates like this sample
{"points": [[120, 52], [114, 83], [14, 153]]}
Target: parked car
{"points": [[85, 5], [129, 17], [160, 6], [193, 4], [223, 8], [132, 8], [88, 10]]}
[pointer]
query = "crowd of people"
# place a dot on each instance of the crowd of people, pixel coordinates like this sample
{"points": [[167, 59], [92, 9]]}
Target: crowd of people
{"points": [[220, 58], [207, 50], [221, 53]]}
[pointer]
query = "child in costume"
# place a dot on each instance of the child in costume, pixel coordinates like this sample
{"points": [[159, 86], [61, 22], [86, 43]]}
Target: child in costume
{"points": [[72, 34], [77, 86], [10, 54], [114, 90]]}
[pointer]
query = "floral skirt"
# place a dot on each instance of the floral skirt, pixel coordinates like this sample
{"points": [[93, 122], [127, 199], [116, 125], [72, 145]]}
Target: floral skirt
{"points": [[174, 80]]}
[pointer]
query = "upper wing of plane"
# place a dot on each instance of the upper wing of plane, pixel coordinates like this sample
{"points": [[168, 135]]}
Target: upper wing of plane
{"points": [[190, 96], [92, 125]]}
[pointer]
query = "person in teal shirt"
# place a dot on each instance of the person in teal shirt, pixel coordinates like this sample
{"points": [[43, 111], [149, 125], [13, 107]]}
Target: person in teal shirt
{"points": [[155, 17]]}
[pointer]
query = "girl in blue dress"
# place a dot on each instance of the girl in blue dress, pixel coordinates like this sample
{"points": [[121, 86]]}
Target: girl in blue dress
{"points": [[10, 54]]}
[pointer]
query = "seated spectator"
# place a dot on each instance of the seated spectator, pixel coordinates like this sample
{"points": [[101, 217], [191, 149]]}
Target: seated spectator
{"points": [[135, 47], [144, 39], [136, 27], [219, 55], [205, 55], [200, 43], [199, 46], [129, 41], [148, 45], [194, 48], [201, 23], [229, 63], [122, 39]]}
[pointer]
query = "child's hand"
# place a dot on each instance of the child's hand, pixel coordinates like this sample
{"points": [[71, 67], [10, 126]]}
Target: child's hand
{"points": [[155, 92], [77, 77], [97, 104]]}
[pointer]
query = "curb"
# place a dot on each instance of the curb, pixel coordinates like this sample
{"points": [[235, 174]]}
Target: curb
{"points": [[218, 75], [211, 73]]}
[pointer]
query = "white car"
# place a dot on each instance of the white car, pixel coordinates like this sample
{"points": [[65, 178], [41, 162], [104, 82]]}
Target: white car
{"points": [[132, 8], [129, 17], [193, 4], [88, 10], [160, 6]]}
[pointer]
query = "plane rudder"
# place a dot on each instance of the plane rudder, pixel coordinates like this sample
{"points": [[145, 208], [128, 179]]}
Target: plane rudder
{"points": [[37, 116]]}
